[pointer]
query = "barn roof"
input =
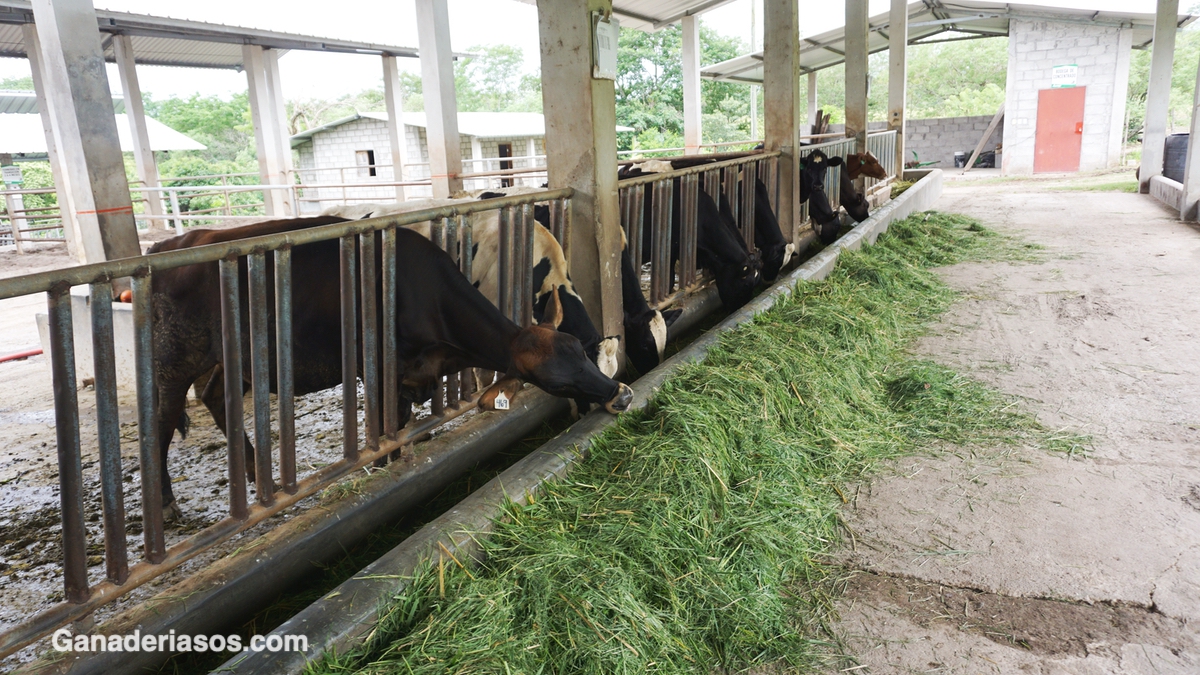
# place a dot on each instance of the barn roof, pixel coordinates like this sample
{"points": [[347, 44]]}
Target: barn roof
{"points": [[22, 134], [962, 19], [478, 124], [163, 41]]}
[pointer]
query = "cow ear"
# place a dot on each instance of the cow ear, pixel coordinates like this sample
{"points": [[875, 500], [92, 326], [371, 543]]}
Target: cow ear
{"points": [[553, 315], [500, 395], [835, 161]]}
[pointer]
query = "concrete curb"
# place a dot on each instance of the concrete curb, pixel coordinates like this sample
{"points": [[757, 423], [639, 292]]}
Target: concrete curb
{"points": [[343, 618]]}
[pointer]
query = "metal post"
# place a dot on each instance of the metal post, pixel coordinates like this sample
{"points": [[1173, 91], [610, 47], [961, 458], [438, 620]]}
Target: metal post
{"points": [[393, 96], [1158, 92], [441, 106], [175, 212], [80, 102], [349, 282], [260, 375], [14, 203], [231, 340], [581, 149], [812, 101], [898, 78], [781, 103], [143, 154], [108, 434], [856, 73], [691, 85], [284, 367]]}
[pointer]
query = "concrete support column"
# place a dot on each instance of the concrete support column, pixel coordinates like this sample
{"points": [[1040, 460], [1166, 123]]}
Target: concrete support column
{"points": [[898, 76], [81, 111], [691, 85], [393, 97], [61, 180], [143, 154], [441, 106], [283, 146], [1190, 204], [812, 101], [1158, 92], [856, 73], [781, 103], [265, 121], [581, 153]]}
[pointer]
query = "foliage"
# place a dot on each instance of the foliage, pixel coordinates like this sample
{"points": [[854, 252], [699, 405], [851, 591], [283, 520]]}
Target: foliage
{"points": [[695, 537], [224, 126], [492, 81], [649, 89], [17, 83]]}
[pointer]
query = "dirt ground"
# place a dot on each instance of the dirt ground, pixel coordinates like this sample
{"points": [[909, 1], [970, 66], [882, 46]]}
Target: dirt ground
{"points": [[1006, 561]]}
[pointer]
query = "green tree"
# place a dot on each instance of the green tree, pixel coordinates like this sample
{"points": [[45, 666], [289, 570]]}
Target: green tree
{"points": [[492, 81], [224, 126]]}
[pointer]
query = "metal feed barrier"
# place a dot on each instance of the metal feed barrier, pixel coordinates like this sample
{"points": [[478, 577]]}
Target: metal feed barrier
{"points": [[880, 144], [455, 395], [734, 179]]}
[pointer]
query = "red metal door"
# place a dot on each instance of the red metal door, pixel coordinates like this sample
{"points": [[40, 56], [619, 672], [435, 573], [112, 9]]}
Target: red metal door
{"points": [[1059, 134]]}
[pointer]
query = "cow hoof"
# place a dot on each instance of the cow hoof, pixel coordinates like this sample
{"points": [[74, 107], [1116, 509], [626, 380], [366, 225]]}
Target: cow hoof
{"points": [[171, 512]]}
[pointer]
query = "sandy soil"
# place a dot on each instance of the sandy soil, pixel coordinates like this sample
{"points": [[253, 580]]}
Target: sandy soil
{"points": [[1023, 561]]}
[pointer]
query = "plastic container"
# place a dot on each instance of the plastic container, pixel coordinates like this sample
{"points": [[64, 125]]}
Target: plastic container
{"points": [[960, 160]]}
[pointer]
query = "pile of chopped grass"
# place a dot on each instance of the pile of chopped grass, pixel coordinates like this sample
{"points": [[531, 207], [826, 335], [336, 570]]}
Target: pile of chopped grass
{"points": [[899, 186], [695, 536]]}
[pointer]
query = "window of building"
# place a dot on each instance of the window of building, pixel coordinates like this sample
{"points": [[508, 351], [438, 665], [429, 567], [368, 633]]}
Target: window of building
{"points": [[365, 159], [506, 151]]}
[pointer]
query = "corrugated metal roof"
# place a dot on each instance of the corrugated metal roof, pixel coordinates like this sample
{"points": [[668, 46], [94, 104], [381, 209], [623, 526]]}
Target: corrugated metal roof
{"points": [[651, 15], [163, 41], [25, 102], [23, 134], [967, 19], [477, 124]]}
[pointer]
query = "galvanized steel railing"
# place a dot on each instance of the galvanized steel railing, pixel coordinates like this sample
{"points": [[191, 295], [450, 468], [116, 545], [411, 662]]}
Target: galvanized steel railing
{"points": [[881, 144], [734, 179], [451, 230]]}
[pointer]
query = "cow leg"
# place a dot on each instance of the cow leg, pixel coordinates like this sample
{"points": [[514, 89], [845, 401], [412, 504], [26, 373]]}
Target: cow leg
{"points": [[214, 399], [172, 399]]}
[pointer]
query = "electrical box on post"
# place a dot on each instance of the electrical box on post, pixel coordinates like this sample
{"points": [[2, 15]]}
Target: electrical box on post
{"points": [[605, 33]]}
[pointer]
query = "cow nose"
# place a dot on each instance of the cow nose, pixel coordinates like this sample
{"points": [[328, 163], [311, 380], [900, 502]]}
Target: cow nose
{"points": [[621, 401]]}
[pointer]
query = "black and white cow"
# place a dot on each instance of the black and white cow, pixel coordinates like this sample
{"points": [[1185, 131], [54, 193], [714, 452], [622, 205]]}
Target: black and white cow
{"points": [[549, 271], [813, 169]]}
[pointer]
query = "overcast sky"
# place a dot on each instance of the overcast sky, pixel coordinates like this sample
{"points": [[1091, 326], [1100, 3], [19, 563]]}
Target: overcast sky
{"points": [[392, 22]]}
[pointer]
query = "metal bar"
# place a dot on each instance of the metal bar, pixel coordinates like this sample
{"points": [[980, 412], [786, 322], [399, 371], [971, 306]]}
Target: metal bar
{"points": [[285, 369], [368, 272], [660, 254], [437, 403], [729, 190], [391, 403], [42, 282], [260, 376], [668, 277], [147, 403], [527, 262], [175, 212], [70, 464], [108, 434], [505, 289], [450, 225], [639, 210], [465, 262], [349, 350], [749, 176], [235, 434], [689, 217]]}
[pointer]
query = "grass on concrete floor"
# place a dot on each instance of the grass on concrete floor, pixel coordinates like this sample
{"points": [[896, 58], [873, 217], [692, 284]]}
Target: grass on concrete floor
{"points": [[695, 537]]}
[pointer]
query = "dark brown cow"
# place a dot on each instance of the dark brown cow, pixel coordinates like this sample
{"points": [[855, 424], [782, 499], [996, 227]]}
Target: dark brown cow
{"points": [[443, 324]]}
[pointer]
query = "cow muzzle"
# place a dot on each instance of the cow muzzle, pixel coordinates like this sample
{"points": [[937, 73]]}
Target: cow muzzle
{"points": [[620, 403]]}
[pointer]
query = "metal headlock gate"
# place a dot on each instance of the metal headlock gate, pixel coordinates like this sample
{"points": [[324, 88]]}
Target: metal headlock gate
{"points": [[451, 229], [732, 179]]}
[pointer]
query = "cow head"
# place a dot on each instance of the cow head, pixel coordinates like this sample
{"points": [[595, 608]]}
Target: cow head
{"points": [[646, 337], [865, 164], [555, 362], [776, 254], [736, 283]]}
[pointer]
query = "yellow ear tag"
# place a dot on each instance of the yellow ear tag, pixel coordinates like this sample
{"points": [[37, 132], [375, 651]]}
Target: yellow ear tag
{"points": [[501, 402]]}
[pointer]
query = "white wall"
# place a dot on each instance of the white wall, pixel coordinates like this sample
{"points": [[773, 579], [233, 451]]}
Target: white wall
{"points": [[1102, 54]]}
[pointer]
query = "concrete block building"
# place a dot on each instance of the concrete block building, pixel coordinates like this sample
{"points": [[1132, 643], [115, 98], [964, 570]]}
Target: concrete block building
{"points": [[356, 151]]}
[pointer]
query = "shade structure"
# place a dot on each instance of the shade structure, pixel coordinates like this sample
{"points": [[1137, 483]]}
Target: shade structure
{"points": [[23, 135]]}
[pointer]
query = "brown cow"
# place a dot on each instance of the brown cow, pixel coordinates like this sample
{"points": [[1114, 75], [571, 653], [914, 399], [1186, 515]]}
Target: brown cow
{"points": [[443, 325]]}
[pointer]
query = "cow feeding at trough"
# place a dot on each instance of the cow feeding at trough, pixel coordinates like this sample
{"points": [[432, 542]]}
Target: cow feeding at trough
{"points": [[443, 325]]}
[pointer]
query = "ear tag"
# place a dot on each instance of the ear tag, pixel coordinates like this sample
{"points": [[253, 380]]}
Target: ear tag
{"points": [[501, 401]]}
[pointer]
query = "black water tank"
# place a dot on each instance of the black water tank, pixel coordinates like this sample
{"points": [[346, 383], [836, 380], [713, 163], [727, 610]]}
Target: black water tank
{"points": [[1175, 156]]}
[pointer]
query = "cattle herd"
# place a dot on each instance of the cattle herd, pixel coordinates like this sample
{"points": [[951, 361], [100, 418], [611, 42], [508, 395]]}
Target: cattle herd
{"points": [[446, 323]]}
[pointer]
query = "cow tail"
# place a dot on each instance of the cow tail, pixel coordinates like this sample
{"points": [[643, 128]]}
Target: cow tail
{"points": [[183, 425]]}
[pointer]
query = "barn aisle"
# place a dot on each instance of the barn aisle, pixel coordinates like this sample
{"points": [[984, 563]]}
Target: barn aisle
{"points": [[1026, 561]]}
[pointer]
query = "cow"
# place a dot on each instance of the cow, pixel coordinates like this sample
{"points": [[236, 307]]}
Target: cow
{"points": [[645, 327], [443, 324], [855, 165], [549, 271], [719, 246], [813, 169]]}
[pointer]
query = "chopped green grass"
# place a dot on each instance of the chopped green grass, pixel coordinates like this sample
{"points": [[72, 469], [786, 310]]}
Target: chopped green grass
{"points": [[695, 538]]}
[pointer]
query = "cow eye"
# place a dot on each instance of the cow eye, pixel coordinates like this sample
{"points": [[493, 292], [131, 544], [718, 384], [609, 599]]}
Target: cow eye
{"points": [[747, 267]]}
